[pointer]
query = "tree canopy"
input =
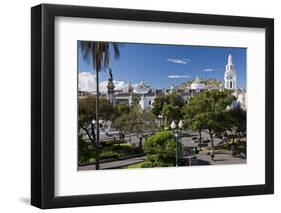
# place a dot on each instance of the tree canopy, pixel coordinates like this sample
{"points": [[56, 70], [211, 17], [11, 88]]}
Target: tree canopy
{"points": [[160, 149], [169, 105], [235, 123], [87, 112], [206, 111], [137, 121]]}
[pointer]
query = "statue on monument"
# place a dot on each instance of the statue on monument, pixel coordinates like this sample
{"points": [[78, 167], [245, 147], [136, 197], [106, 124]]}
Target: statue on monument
{"points": [[110, 74]]}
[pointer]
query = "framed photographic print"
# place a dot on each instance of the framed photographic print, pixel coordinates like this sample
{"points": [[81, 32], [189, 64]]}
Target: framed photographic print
{"points": [[139, 106]]}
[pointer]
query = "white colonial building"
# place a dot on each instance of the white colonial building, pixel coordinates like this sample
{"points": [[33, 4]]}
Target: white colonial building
{"points": [[141, 91]]}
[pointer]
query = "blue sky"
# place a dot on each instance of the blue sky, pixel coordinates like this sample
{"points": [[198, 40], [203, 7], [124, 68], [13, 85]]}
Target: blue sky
{"points": [[161, 66]]}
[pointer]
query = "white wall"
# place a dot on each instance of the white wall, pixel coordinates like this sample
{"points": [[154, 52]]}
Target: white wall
{"points": [[15, 105]]}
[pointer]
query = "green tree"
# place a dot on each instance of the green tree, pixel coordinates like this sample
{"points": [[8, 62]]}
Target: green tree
{"points": [[235, 123], [87, 112], [175, 100], [206, 111], [98, 55], [137, 121], [170, 106], [214, 117], [192, 113], [171, 113], [158, 104], [160, 149], [135, 100], [122, 108]]}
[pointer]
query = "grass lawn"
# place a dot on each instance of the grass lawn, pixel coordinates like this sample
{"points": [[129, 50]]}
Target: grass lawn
{"points": [[136, 165], [108, 150]]}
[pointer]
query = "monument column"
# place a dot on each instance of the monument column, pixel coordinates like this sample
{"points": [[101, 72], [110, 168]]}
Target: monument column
{"points": [[110, 88]]}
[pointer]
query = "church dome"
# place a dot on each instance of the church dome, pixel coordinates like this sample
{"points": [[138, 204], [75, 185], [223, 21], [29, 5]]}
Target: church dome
{"points": [[197, 84]]}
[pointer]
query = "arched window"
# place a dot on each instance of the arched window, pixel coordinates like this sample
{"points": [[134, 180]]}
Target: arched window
{"points": [[230, 85]]}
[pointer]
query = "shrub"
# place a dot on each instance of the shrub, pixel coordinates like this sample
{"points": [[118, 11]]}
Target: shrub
{"points": [[161, 148], [108, 154], [147, 164], [86, 151]]}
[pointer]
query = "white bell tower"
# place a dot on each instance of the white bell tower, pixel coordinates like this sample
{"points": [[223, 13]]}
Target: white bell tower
{"points": [[230, 74]]}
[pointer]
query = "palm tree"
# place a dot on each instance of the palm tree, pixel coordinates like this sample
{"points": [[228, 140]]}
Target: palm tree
{"points": [[98, 54]]}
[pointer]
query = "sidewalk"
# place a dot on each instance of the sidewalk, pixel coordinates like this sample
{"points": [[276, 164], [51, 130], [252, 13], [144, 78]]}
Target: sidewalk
{"points": [[114, 164], [221, 157]]}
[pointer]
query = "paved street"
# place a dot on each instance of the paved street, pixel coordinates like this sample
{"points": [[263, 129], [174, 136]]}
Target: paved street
{"points": [[203, 158], [190, 141], [220, 158]]}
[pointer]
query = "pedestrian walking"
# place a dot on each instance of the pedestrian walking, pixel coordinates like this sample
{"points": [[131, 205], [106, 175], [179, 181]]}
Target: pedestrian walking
{"points": [[212, 154]]}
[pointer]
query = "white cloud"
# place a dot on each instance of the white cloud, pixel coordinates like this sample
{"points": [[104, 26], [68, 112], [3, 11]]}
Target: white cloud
{"points": [[177, 76], [87, 83], [187, 59], [179, 60], [210, 69], [119, 85]]}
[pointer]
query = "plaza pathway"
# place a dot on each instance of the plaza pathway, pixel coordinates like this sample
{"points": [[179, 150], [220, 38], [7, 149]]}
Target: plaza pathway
{"points": [[114, 164], [224, 157]]}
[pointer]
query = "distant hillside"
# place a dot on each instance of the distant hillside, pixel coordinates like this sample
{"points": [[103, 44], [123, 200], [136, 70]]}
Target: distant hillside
{"points": [[210, 82]]}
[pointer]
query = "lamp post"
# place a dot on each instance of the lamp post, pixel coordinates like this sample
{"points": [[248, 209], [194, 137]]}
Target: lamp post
{"points": [[160, 116], [93, 124], [101, 123], [177, 134], [180, 125]]}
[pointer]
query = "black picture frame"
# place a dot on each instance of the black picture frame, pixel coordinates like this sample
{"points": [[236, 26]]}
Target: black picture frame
{"points": [[43, 102]]}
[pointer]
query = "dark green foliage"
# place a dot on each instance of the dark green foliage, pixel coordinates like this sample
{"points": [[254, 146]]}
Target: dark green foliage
{"points": [[108, 150], [171, 112], [206, 111], [158, 104], [87, 109], [160, 149], [235, 120], [87, 112], [108, 154], [136, 121], [121, 108], [170, 106], [86, 152]]}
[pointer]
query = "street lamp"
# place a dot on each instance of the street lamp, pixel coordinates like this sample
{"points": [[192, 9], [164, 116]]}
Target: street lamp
{"points": [[160, 116], [93, 124], [177, 134], [173, 126], [101, 122], [180, 124]]}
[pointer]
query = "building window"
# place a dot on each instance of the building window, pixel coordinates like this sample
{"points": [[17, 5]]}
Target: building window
{"points": [[230, 84], [149, 102]]}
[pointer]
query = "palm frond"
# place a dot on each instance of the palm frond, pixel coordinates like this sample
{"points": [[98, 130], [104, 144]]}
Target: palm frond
{"points": [[98, 53]]}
